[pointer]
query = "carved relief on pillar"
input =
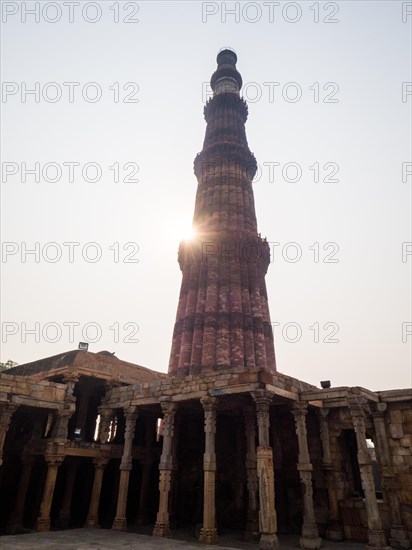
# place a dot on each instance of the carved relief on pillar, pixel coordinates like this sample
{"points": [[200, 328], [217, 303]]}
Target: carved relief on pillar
{"points": [[267, 518], [130, 415], [120, 522], [265, 473], [169, 411], [209, 405], [299, 411], [310, 535], [208, 536], [358, 406], [252, 525], [208, 532], [162, 525], [165, 480], [263, 399]]}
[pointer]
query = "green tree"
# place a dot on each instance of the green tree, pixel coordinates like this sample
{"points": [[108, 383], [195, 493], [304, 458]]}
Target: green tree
{"points": [[7, 365]]}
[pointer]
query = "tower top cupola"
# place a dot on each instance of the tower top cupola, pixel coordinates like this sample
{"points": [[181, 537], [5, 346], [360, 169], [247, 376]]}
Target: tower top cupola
{"points": [[226, 78]]}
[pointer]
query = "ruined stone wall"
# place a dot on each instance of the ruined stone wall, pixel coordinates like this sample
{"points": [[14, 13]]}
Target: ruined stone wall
{"points": [[195, 386], [23, 390]]}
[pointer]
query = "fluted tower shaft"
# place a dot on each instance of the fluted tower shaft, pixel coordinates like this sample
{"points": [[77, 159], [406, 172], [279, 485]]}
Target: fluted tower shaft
{"points": [[223, 316]]}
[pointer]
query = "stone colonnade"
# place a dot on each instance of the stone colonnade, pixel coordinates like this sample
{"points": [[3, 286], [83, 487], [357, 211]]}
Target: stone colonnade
{"points": [[259, 467], [261, 515], [261, 512]]}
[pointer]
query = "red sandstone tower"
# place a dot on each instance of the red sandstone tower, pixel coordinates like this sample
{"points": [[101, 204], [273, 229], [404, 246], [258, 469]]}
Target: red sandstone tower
{"points": [[223, 317]]}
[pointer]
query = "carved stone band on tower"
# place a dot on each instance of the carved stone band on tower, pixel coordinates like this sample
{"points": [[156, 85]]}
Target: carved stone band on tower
{"points": [[223, 317]]}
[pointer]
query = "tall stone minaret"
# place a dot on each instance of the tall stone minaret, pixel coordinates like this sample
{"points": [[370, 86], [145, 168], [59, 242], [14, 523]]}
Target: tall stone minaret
{"points": [[223, 318]]}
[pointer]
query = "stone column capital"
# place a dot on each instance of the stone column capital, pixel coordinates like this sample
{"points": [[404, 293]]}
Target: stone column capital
{"points": [[53, 460], [100, 462], [324, 413], [209, 403], [379, 410], [262, 398], [299, 409], [55, 448], [168, 407], [66, 412], [358, 418], [131, 413], [358, 405]]}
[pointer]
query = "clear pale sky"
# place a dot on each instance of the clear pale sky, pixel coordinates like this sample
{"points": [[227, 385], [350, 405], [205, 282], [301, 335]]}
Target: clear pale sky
{"points": [[319, 92]]}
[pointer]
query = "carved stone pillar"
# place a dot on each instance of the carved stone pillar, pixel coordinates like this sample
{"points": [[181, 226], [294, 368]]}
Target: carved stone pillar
{"points": [[106, 418], [93, 515], [310, 534], [208, 533], [265, 474], [252, 525], [53, 462], [16, 519], [162, 525], [65, 511], [334, 527], [398, 535], [60, 429], [6, 412], [61, 423], [120, 522], [376, 535]]}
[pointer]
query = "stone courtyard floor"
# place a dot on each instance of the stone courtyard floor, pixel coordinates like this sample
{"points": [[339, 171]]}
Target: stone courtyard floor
{"points": [[106, 539]]}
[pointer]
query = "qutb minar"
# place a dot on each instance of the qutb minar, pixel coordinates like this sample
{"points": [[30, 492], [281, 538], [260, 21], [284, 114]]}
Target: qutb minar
{"points": [[223, 442], [223, 315]]}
